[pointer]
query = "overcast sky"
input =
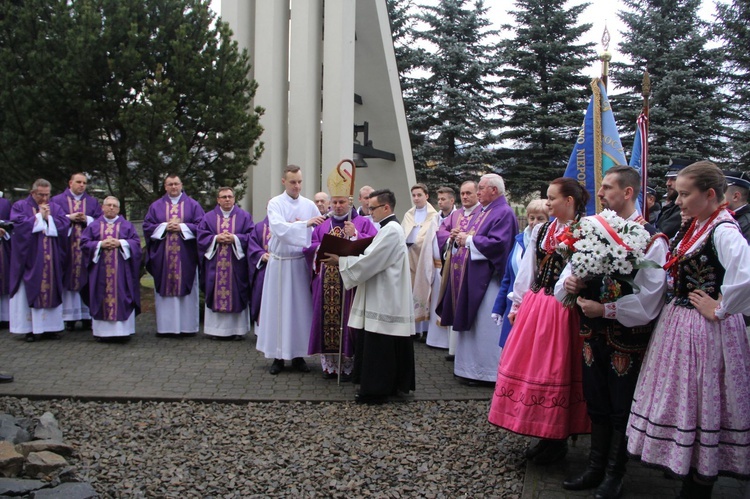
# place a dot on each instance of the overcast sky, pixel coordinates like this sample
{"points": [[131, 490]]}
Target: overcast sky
{"points": [[600, 13]]}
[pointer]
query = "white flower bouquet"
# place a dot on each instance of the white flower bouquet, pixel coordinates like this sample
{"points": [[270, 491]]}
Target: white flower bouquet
{"points": [[607, 246]]}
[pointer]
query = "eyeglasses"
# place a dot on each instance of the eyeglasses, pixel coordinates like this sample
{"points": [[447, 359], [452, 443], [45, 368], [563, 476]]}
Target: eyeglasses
{"points": [[226, 197], [373, 208]]}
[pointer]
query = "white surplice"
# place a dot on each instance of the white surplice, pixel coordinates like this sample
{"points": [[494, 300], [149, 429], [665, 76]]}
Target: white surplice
{"points": [[286, 305]]}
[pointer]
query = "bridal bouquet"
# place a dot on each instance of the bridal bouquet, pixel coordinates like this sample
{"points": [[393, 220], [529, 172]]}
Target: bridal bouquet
{"points": [[607, 246]]}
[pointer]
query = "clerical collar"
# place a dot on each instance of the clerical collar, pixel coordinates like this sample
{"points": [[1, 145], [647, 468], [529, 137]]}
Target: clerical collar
{"points": [[339, 218], [225, 213], [111, 220], [77, 197], [389, 218], [174, 200], [470, 209]]}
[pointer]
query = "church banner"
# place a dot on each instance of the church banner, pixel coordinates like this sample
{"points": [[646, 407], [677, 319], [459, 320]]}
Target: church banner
{"points": [[597, 148]]}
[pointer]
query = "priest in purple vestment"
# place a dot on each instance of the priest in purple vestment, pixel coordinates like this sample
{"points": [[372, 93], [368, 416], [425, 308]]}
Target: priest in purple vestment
{"points": [[257, 260], [223, 237], [5, 231], [81, 209], [328, 293], [40, 231], [476, 269], [170, 229], [112, 251]]}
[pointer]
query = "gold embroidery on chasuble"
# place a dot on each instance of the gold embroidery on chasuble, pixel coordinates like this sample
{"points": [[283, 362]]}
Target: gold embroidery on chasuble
{"points": [[332, 301], [172, 253], [76, 255], [111, 262], [223, 280]]}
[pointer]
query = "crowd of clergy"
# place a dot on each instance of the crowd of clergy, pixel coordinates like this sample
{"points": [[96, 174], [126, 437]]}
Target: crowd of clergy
{"points": [[660, 368]]}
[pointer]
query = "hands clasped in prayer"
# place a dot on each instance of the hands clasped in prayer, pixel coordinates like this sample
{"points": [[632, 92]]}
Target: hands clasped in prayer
{"points": [[111, 243], [225, 238]]}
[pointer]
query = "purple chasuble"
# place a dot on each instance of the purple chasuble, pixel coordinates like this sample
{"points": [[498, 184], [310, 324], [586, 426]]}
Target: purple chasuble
{"points": [[227, 285], [114, 288], [172, 260], [4, 250], [493, 229], [257, 246], [327, 289], [37, 259], [74, 277]]}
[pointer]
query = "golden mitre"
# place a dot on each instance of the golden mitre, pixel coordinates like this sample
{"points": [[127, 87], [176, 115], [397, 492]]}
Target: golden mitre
{"points": [[341, 180]]}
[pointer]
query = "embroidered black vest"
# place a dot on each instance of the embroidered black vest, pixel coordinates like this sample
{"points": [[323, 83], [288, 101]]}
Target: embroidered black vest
{"points": [[622, 338], [549, 266], [700, 269]]}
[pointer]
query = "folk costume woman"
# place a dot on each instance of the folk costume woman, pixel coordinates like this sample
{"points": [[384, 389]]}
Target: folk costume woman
{"points": [[538, 390], [691, 410]]}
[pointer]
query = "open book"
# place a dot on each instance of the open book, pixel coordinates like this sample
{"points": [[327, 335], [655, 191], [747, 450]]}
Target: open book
{"points": [[341, 247]]}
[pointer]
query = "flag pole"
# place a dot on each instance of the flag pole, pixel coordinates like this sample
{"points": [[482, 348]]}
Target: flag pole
{"points": [[646, 93], [605, 57]]}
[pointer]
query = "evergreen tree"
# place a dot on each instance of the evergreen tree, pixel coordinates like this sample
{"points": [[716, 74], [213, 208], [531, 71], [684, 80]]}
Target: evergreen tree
{"points": [[127, 91], [734, 30], [545, 92], [668, 38], [453, 91]]}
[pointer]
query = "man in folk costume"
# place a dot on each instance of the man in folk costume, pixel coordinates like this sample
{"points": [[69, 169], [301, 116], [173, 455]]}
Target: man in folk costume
{"points": [[223, 237], [418, 224], [284, 332], [457, 222], [170, 228], [737, 195], [81, 209], [382, 313], [40, 231], [329, 333], [257, 261], [112, 252], [616, 333], [438, 336], [5, 264], [475, 281]]}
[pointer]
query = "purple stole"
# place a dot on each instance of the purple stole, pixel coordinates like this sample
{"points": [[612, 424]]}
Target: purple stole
{"points": [[469, 225], [223, 293], [46, 286], [333, 288], [110, 260], [172, 250], [76, 255]]}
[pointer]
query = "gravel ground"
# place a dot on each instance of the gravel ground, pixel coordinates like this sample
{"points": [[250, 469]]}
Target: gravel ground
{"points": [[189, 449]]}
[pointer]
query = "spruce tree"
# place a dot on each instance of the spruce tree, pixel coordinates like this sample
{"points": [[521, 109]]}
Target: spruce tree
{"points": [[453, 91], [545, 92], [734, 29], [668, 38]]}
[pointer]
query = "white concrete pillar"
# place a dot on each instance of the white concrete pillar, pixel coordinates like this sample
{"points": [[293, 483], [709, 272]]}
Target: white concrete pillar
{"points": [[271, 62], [338, 83], [305, 68]]}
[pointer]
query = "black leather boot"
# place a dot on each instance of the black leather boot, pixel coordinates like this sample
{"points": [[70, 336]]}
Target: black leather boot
{"points": [[695, 490], [611, 487], [592, 476]]}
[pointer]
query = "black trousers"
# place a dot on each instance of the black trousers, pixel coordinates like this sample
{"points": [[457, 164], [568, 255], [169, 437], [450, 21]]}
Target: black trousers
{"points": [[383, 365], [609, 379]]}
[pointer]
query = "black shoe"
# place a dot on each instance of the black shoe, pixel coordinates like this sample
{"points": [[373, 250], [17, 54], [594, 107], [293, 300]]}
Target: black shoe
{"points": [[555, 450], [533, 450], [370, 399], [277, 366], [51, 335], [30, 338], [300, 365], [329, 375], [611, 487], [422, 338], [4, 325], [450, 358], [6, 378], [70, 325], [86, 324], [345, 378]]}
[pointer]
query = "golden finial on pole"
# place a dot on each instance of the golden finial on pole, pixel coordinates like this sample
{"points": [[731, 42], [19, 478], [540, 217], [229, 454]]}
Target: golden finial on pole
{"points": [[605, 57]]}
